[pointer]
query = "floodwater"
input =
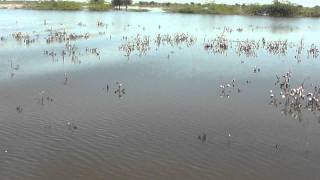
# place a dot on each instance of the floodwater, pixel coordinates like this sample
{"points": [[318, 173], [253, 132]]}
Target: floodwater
{"points": [[151, 131]]}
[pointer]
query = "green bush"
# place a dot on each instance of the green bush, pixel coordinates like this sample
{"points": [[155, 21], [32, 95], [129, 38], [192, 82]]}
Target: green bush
{"points": [[99, 7], [56, 5], [275, 9]]}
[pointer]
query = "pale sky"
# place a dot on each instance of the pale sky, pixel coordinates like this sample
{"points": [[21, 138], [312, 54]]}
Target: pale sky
{"points": [[301, 2]]}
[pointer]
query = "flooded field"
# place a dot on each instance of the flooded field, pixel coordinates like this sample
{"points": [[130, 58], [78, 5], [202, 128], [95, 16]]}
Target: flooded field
{"points": [[153, 95]]}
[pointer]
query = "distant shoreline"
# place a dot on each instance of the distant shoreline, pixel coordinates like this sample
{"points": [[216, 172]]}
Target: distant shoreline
{"points": [[80, 6], [272, 10], [11, 6]]}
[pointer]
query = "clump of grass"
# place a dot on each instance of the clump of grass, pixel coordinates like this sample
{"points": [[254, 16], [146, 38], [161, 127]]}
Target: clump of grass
{"points": [[55, 5]]}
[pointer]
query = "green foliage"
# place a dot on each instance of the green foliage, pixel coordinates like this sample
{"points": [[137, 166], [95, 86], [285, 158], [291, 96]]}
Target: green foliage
{"points": [[223, 9], [96, 1], [204, 9], [56, 5], [153, 4], [276, 9], [127, 2], [99, 6], [118, 3], [311, 12]]}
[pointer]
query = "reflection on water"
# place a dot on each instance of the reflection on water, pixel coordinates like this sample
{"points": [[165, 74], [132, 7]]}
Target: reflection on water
{"points": [[116, 95]]}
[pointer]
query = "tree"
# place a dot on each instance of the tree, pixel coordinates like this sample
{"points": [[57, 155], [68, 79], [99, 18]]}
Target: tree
{"points": [[97, 1], [126, 3], [116, 3]]}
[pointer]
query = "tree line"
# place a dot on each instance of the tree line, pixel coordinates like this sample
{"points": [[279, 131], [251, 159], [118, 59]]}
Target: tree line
{"points": [[115, 3], [119, 3]]}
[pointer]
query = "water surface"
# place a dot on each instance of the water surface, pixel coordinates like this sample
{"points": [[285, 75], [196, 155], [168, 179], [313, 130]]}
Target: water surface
{"points": [[152, 131]]}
